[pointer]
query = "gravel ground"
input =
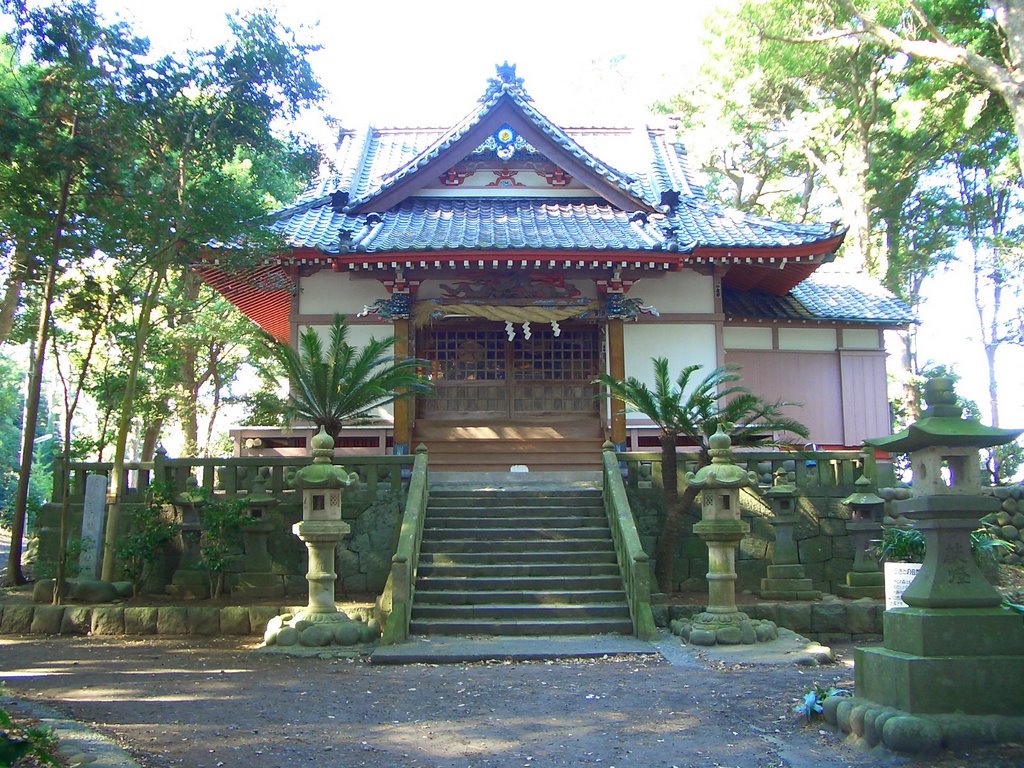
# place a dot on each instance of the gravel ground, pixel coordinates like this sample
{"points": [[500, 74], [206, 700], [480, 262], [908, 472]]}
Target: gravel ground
{"points": [[202, 703]]}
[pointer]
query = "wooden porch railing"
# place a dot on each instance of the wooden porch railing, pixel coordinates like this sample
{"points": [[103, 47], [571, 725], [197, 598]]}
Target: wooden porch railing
{"points": [[633, 561], [395, 604]]}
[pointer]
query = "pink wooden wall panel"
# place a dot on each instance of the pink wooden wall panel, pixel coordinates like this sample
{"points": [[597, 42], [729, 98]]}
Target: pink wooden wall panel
{"points": [[811, 378], [865, 401]]}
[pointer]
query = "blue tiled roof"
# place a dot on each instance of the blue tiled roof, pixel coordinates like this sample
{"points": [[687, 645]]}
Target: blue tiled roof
{"points": [[646, 164], [826, 295]]}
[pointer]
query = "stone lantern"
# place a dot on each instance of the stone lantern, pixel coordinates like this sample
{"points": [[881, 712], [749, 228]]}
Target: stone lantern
{"points": [[190, 579], [787, 579], [721, 529], [955, 649], [256, 578], [866, 511], [321, 527]]}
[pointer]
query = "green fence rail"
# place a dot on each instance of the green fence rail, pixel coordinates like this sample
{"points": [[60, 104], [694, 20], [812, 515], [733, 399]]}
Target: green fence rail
{"points": [[231, 475], [634, 563], [828, 473], [395, 604]]}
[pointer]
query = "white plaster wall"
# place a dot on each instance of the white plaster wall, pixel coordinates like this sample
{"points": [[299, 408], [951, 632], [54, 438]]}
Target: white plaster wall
{"points": [[807, 339], [327, 292], [677, 292], [358, 335], [747, 338], [860, 338], [683, 345]]}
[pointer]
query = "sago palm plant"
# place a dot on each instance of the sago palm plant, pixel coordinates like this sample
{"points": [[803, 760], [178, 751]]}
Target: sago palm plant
{"points": [[335, 382], [692, 408]]}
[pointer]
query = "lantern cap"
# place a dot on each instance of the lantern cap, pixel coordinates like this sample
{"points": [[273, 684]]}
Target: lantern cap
{"points": [[943, 425], [721, 472], [863, 496]]}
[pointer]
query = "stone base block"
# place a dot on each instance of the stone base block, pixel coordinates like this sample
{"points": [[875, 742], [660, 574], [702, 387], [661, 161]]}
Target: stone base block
{"points": [[189, 585], [258, 585], [856, 593], [865, 579], [954, 632], [789, 594], [971, 685], [786, 572]]}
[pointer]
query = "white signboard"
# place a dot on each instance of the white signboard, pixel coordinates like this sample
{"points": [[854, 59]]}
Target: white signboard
{"points": [[93, 515], [897, 578]]}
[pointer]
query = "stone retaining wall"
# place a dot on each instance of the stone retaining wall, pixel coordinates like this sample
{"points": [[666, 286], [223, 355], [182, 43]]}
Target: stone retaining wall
{"points": [[824, 545], [828, 621], [20, 619]]}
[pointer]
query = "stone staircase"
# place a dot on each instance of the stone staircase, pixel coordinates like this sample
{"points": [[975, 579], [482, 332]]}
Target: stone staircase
{"points": [[554, 445], [518, 562]]}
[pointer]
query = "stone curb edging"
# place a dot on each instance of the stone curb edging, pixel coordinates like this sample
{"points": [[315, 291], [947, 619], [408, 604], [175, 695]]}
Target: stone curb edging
{"points": [[77, 743], [239, 620], [827, 621], [872, 724]]}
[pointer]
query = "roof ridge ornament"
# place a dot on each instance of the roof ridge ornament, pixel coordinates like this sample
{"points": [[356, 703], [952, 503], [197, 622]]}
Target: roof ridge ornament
{"points": [[505, 81]]}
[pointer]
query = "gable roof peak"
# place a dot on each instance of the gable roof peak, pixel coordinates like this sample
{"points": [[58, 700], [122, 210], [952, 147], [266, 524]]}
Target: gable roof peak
{"points": [[506, 81]]}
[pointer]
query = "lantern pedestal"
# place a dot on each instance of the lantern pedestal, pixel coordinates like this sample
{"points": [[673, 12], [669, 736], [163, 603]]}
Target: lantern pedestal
{"points": [[321, 538]]}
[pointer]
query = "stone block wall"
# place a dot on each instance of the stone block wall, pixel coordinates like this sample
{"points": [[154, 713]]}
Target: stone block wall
{"points": [[1008, 522], [363, 559], [824, 546]]}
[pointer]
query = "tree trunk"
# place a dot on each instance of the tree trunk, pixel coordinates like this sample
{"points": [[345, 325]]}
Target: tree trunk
{"points": [[150, 437], [15, 576], [116, 490], [671, 527], [12, 293]]}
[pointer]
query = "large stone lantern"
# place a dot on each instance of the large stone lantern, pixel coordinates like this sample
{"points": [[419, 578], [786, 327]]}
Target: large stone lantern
{"points": [[321, 527], [955, 650], [866, 511], [721, 529]]}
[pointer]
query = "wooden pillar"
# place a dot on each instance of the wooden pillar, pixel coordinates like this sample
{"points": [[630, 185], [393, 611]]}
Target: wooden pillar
{"points": [[617, 370], [403, 406]]}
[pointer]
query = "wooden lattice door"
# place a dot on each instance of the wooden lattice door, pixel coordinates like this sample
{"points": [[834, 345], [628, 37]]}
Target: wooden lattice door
{"points": [[479, 373]]}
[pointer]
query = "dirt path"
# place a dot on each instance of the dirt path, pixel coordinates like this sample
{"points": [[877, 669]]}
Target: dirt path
{"points": [[203, 704]]}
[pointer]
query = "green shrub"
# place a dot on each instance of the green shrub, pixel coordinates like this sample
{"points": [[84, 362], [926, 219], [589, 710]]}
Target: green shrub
{"points": [[149, 530], [17, 741], [221, 519]]}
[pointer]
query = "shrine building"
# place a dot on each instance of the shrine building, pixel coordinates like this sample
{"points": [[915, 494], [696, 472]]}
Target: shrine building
{"points": [[520, 259]]}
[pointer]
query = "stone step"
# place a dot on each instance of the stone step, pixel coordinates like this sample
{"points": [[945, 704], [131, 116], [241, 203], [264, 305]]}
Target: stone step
{"points": [[561, 522], [508, 571], [523, 496], [524, 535], [433, 546], [512, 508], [522, 611], [584, 581], [465, 597], [594, 556], [520, 628]]}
